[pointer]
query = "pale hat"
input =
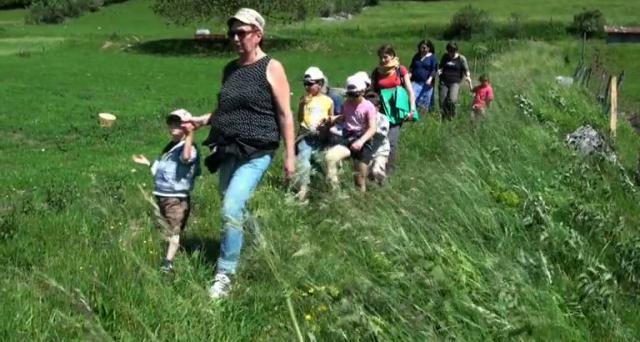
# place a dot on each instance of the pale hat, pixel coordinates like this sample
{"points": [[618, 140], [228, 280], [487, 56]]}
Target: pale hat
{"points": [[314, 74], [355, 84], [181, 114], [363, 76], [248, 16]]}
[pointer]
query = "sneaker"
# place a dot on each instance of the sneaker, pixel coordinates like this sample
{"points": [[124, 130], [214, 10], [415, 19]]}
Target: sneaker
{"points": [[221, 286], [167, 266]]}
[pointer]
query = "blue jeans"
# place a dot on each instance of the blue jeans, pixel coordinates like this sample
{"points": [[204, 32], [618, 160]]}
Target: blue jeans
{"points": [[308, 147], [423, 93], [238, 181]]}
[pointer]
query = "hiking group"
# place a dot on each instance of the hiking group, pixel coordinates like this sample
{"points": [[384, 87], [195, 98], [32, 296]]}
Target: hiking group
{"points": [[254, 113]]}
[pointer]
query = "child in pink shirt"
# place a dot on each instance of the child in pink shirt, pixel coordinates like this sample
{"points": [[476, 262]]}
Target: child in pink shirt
{"points": [[360, 119], [483, 95]]}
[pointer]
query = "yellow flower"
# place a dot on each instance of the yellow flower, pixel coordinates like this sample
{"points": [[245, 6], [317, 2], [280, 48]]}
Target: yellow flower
{"points": [[308, 317], [323, 308]]}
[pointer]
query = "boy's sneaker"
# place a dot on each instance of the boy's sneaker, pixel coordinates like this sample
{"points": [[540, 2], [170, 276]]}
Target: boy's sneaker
{"points": [[221, 286], [167, 266]]}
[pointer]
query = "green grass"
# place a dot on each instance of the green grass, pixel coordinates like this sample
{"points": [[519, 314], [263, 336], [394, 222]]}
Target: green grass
{"points": [[497, 233]]}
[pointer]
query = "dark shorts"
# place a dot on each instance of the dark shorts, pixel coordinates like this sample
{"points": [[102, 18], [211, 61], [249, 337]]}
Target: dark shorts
{"points": [[175, 212], [365, 154]]}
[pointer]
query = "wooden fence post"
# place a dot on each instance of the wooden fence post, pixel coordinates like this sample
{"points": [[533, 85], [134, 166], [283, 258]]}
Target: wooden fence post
{"points": [[614, 106]]}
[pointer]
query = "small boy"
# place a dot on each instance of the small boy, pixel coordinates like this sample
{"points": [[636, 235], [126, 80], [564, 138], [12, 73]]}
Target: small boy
{"points": [[360, 121], [482, 97], [174, 176], [315, 110], [381, 145]]}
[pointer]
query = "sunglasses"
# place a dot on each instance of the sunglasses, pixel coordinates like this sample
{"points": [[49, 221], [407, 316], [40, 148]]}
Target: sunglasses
{"points": [[310, 83], [240, 33]]}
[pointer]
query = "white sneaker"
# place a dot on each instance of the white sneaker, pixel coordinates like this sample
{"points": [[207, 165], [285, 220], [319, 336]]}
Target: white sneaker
{"points": [[221, 286]]}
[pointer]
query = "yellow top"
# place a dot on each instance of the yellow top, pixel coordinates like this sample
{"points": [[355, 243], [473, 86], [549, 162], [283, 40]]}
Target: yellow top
{"points": [[313, 109]]}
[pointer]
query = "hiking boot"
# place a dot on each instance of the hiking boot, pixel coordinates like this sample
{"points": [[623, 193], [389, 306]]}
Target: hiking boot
{"points": [[221, 286], [167, 266]]}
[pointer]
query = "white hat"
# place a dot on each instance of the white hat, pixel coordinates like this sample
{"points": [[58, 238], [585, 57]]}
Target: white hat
{"points": [[248, 16], [355, 83], [182, 114], [363, 76], [314, 74]]}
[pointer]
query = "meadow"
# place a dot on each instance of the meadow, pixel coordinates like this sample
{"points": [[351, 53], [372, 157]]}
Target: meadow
{"points": [[494, 233]]}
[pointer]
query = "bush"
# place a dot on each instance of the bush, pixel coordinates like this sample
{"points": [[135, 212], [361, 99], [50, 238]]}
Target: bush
{"points": [[14, 3], [467, 22], [55, 11], [590, 22]]}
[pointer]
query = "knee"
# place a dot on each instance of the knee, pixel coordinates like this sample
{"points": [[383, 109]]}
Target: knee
{"points": [[232, 213]]}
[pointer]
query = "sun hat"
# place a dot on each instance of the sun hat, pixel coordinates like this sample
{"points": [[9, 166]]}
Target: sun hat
{"points": [[355, 84], [314, 74], [363, 76], [248, 16], [182, 114]]}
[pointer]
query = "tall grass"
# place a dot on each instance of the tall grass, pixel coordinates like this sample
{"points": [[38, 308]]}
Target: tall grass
{"points": [[497, 232]]}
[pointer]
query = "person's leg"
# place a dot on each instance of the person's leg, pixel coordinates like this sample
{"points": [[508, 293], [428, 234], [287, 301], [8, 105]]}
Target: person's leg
{"points": [[454, 89], [393, 136], [303, 167], [418, 90], [175, 212], [240, 188], [334, 155], [443, 96], [360, 169]]}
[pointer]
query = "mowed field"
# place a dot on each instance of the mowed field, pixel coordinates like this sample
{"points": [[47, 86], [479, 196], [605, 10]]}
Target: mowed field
{"points": [[494, 233]]}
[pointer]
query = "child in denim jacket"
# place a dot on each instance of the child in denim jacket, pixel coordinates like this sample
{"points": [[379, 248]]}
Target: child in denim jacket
{"points": [[174, 177]]}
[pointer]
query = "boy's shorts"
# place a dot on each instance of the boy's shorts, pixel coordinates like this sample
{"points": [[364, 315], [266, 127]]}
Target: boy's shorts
{"points": [[365, 154], [175, 212]]}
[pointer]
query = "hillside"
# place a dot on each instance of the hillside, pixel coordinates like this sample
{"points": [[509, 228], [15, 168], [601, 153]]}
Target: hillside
{"points": [[494, 233]]}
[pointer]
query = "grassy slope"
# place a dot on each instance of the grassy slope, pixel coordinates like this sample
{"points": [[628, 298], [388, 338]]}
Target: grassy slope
{"points": [[440, 253]]}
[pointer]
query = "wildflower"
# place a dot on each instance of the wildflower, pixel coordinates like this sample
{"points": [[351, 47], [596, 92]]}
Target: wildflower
{"points": [[308, 317]]}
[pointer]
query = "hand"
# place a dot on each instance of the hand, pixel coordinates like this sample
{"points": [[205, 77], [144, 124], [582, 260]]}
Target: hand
{"points": [[289, 167], [357, 145], [188, 127], [410, 116], [140, 159]]}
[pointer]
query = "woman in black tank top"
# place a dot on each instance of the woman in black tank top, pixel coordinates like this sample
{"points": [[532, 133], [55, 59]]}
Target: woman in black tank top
{"points": [[253, 112], [453, 69]]}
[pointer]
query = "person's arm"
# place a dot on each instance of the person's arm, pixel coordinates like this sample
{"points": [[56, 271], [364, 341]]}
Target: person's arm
{"points": [[281, 92], [372, 121], [434, 71], [187, 149], [202, 120], [412, 96], [489, 97], [467, 73]]}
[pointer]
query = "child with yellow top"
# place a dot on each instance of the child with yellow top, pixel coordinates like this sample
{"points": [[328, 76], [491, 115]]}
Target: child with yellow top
{"points": [[315, 111]]}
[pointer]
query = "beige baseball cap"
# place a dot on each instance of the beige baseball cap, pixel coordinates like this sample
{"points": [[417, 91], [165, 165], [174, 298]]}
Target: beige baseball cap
{"points": [[180, 114], [248, 16]]}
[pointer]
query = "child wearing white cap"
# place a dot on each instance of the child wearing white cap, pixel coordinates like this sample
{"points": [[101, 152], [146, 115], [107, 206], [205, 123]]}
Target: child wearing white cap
{"points": [[315, 110], [174, 177], [360, 118]]}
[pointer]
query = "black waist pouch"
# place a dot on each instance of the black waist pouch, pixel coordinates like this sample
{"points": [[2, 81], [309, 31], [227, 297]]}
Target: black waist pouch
{"points": [[217, 156]]}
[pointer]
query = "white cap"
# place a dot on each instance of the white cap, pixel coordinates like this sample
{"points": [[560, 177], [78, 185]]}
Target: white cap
{"points": [[363, 76], [314, 74], [355, 83], [180, 113], [248, 16]]}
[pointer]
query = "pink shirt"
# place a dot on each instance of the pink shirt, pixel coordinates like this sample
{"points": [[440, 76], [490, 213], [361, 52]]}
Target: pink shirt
{"points": [[482, 94], [356, 116]]}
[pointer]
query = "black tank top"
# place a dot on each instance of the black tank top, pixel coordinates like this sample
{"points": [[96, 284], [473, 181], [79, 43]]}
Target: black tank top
{"points": [[246, 107]]}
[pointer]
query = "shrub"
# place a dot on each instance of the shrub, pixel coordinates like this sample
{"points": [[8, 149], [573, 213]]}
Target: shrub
{"points": [[467, 22], [14, 3], [590, 22], [56, 11]]}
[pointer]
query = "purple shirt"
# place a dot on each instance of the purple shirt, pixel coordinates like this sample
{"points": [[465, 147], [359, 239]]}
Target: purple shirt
{"points": [[357, 116]]}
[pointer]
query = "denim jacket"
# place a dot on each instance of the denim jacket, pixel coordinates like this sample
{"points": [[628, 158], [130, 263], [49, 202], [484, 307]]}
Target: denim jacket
{"points": [[172, 176]]}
